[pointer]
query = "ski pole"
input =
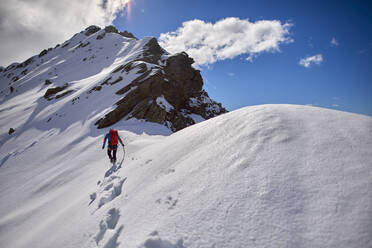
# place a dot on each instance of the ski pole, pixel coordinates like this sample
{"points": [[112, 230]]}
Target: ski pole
{"points": [[123, 153]]}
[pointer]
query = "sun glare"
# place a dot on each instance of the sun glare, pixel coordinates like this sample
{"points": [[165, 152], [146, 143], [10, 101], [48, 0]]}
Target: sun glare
{"points": [[128, 8]]}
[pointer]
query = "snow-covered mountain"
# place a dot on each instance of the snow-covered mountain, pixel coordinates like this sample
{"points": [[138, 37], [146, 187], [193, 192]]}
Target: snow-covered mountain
{"points": [[111, 75], [261, 176]]}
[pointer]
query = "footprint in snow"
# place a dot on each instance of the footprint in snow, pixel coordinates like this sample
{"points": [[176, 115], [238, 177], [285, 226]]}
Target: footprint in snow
{"points": [[109, 223], [111, 190], [113, 241], [168, 201], [108, 190]]}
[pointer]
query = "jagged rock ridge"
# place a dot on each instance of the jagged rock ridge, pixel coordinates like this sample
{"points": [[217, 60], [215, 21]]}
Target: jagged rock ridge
{"points": [[169, 91], [168, 94]]}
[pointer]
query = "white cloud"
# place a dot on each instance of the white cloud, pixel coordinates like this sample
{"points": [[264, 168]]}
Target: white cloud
{"points": [[207, 43], [334, 42], [316, 59], [231, 74], [27, 27]]}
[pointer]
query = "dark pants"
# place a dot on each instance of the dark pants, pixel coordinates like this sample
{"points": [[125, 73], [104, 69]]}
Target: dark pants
{"points": [[113, 148]]}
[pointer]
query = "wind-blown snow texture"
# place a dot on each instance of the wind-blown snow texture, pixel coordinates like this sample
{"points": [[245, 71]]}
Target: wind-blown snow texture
{"points": [[262, 176]]}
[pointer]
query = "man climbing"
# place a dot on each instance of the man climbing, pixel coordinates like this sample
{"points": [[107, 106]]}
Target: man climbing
{"points": [[113, 137]]}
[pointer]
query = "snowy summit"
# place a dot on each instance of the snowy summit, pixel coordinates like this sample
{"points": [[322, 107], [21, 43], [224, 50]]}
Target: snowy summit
{"points": [[191, 175], [113, 75]]}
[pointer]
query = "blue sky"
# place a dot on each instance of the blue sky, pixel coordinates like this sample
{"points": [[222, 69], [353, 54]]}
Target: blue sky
{"points": [[342, 80]]}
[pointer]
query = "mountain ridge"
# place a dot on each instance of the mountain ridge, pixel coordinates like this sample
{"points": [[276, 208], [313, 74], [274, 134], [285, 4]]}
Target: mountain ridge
{"points": [[145, 77]]}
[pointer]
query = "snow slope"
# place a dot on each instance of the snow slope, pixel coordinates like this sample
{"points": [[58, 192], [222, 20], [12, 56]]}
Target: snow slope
{"points": [[82, 62], [262, 176]]}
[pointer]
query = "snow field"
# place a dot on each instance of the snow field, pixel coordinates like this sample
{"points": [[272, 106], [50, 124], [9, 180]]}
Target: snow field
{"points": [[263, 176]]}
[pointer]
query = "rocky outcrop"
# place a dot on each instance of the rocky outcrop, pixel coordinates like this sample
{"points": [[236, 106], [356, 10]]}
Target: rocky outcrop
{"points": [[127, 34], [42, 53], [169, 93], [25, 63], [153, 52], [112, 29], [91, 30], [51, 92]]}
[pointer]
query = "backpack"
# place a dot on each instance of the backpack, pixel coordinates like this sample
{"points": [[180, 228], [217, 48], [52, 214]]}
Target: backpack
{"points": [[114, 137]]}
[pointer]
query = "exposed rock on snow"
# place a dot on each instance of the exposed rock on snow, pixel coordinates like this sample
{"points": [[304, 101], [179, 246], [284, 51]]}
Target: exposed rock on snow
{"points": [[42, 53], [177, 82], [52, 91], [91, 30], [11, 130], [127, 34], [112, 29], [152, 52]]}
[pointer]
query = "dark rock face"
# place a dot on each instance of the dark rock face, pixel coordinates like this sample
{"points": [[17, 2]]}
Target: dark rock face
{"points": [[108, 29], [25, 63], [100, 36], [11, 130], [153, 52], [167, 93], [184, 80], [127, 34], [91, 30], [42, 53], [112, 29], [52, 91]]}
